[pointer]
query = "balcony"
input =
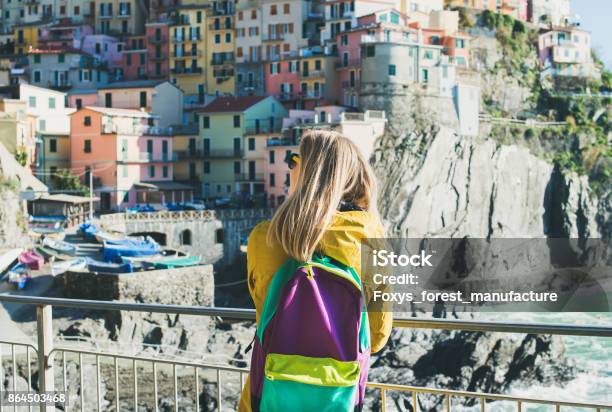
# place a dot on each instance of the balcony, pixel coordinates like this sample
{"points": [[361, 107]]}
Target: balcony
{"points": [[223, 154], [222, 62], [48, 355], [220, 26], [275, 141], [137, 130], [287, 96], [124, 14], [312, 74], [186, 70], [158, 40], [349, 64], [249, 177], [263, 127], [187, 54], [188, 154], [310, 94], [161, 57], [146, 157], [61, 85], [274, 37]]}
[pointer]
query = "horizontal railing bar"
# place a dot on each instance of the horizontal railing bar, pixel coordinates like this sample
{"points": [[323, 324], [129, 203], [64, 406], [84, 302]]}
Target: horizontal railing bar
{"points": [[150, 359], [17, 343], [249, 314], [480, 395]]}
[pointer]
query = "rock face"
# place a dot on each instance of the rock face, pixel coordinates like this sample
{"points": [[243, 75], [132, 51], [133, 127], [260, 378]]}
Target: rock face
{"points": [[12, 221], [476, 362], [436, 183]]}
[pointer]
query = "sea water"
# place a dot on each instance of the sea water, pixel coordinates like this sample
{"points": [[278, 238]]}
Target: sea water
{"points": [[593, 356]]}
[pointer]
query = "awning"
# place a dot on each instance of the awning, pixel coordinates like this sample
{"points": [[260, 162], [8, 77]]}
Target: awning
{"points": [[63, 198], [163, 186]]}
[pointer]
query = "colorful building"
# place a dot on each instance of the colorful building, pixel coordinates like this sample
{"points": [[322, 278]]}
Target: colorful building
{"points": [[227, 125], [188, 160], [106, 50], [62, 35], [18, 129], [220, 57], [556, 12], [26, 36], [250, 76], [120, 17], [63, 69], [566, 51], [188, 48], [158, 49], [130, 160], [134, 63]]}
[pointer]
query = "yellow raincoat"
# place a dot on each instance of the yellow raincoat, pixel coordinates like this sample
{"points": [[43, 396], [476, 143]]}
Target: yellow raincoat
{"points": [[341, 241]]}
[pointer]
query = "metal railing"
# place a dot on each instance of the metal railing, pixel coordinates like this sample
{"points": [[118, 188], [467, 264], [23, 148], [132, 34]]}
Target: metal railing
{"points": [[45, 354]]}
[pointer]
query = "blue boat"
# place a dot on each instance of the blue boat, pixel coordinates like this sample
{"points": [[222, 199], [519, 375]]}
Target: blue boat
{"points": [[114, 250], [88, 230], [19, 276], [105, 267]]}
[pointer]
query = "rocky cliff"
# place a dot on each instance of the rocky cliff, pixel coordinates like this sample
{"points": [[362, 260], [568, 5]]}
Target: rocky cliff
{"points": [[13, 224]]}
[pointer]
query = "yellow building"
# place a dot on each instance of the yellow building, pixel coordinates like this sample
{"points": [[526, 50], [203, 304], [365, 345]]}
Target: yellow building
{"points": [[54, 154], [120, 17], [220, 36], [25, 36], [188, 48], [187, 147], [317, 78]]}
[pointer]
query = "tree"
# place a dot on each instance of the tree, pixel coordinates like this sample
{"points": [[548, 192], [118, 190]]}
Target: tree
{"points": [[65, 180], [21, 156]]}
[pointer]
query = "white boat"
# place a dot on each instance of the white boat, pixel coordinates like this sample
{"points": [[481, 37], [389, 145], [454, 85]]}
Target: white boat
{"points": [[8, 258], [59, 246], [73, 265]]}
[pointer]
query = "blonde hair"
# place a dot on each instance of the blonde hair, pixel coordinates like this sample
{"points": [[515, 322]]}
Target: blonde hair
{"points": [[331, 170]]}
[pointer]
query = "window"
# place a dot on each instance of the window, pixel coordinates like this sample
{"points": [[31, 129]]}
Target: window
{"points": [[36, 76], [428, 55], [228, 37], [370, 51], [273, 9], [272, 180], [37, 58], [42, 125], [61, 58], [125, 171], [87, 146], [460, 43], [425, 75], [185, 237], [199, 17], [251, 143], [253, 14], [143, 99], [271, 157], [237, 168], [206, 167], [217, 38], [237, 121], [286, 8], [32, 101], [87, 121], [53, 146], [392, 70], [151, 171], [108, 100], [79, 103], [206, 122], [165, 171]]}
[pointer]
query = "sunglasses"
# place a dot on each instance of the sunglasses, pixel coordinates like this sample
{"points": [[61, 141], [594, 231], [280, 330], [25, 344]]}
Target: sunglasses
{"points": [[292, 160]]}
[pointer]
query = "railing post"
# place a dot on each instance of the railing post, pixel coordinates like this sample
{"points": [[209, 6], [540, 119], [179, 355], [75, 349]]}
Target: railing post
{"points": [[44, 330]]}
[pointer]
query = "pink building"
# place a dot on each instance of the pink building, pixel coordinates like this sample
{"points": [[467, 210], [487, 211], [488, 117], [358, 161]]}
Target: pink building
{"points": [[64, 34], [134, 63], [282, 80], [105, 48], [131, 161], [80, 98], [566, 51], [158, 49]]}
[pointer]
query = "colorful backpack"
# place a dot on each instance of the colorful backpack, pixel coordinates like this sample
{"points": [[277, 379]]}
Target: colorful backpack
{"points": [[312, 345]]}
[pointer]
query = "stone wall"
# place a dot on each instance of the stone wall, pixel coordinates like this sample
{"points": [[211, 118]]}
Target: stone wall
{"points": [[13, 224], [183, 286]]}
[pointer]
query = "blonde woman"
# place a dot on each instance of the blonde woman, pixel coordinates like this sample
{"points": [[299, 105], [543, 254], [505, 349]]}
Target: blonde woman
{"points": [[312, 245]]}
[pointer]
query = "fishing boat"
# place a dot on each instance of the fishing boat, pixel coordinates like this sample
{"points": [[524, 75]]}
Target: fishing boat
{"points": [[51, 255], [59, 246], [116, 237], [105, 267], [8, 258], [50, 229], [114, 250], [172, 263], [19, 276], [32, 260], [73, 265], [145, 262], [88, 230]]}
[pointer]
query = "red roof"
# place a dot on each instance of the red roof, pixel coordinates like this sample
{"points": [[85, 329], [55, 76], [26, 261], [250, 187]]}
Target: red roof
{"points": [[232, 104]]}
